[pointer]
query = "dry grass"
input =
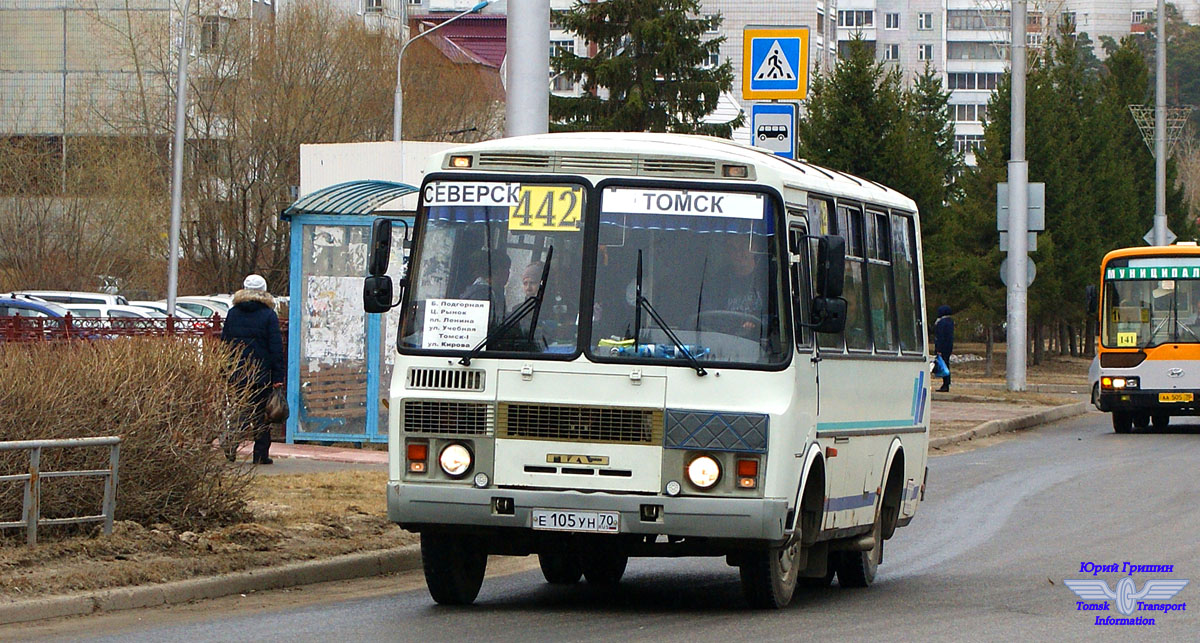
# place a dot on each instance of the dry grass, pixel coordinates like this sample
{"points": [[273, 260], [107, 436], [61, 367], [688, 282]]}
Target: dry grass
{"points": [[167, 399]]}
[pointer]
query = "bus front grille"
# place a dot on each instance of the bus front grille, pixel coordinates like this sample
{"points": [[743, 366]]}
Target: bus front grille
{"points": [[445, 379], [448, 418], [579, 423]]}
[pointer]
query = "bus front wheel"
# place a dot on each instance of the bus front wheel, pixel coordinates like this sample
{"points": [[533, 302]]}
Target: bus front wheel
{"points": [[560, 568], [604, 567], [769, 576], [454, 566], [1161, 420], [1122, 421]]}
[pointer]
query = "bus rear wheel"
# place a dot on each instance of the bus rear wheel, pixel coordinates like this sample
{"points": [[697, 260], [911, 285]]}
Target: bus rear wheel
{"points": [[454, 566], [560, 568], [1122, 421], [769, 576], [858, 568]]}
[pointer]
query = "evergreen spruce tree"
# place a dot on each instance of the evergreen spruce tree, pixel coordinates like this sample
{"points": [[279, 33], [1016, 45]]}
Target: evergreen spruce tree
{"points": [[650, 72]]}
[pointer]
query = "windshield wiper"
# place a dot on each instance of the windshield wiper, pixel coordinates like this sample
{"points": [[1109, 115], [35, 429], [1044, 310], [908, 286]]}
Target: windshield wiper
{"points": [[642, 302], [533, 304]]}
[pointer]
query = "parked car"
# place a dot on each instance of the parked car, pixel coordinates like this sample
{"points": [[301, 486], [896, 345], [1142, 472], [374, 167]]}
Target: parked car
{"points": [[10, 307], [72, 297], [161, 307], [200, 306], [112, 311]]}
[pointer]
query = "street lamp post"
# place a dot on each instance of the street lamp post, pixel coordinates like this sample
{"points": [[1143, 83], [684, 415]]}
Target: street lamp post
{"points": [[177, 165], [398, 111]]}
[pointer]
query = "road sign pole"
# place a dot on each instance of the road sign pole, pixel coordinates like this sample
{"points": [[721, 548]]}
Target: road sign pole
{"points": [[1018, 196], [1160, 130]]}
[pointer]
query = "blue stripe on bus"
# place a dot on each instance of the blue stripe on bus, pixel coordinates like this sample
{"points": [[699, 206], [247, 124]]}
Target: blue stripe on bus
{"points": [[865, 424], [922, 398], [850, 502]]}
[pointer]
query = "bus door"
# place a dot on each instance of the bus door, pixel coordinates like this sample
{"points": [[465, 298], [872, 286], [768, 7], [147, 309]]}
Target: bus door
{"points": [[805, 401]]}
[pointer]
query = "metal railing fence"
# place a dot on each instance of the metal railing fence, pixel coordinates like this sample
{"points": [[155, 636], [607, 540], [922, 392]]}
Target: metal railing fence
{"points": [[31, 508]]}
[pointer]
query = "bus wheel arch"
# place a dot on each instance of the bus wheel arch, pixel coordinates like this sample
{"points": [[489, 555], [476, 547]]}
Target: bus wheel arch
{"points": [[811, 508], [893, 495]]}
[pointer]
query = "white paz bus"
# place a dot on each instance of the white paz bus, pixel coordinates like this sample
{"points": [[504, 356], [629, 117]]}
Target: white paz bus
{"points": [[616, 345]]}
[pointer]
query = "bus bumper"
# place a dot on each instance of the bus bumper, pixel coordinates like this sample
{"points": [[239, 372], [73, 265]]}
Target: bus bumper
{"points": [[446, 505], [1147, 402]]}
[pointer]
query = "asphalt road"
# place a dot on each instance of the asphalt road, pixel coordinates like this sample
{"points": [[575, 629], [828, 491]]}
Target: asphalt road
{"points": [[984, 559]]}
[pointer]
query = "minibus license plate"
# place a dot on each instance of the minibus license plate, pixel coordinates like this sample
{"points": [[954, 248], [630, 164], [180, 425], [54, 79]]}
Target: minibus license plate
{"points": [[605, 522], [1174, 397]]}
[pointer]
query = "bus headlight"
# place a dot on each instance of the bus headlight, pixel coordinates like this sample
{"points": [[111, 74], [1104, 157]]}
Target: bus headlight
{"points": [[455, 460], [704, 472]]}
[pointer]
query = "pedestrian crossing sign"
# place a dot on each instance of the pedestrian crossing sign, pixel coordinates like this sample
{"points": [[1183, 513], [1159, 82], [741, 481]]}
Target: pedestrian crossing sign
{"points": [[775, 63]]}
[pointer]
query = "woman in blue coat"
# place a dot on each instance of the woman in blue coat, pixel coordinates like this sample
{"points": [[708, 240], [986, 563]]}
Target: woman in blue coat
{"points": [[252, 326], [943, 340]]}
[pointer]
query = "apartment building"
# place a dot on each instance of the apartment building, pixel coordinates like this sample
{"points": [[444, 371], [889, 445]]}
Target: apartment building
{"points": [[966, 41], [66, 66]]}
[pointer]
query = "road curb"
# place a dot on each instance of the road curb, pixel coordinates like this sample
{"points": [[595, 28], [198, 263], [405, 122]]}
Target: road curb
{"points": [[358, 565], [992, 427]]}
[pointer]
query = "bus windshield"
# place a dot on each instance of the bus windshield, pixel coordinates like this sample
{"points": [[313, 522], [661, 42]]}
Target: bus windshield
{"points": [[482, 253], [709, 266], [1148, 302]]}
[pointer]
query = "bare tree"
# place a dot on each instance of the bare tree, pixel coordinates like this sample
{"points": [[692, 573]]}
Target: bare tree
{"points": [[258, 89]]}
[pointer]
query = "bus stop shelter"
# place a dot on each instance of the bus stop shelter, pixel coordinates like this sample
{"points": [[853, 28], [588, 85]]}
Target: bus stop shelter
{"points": [[339, 366]]}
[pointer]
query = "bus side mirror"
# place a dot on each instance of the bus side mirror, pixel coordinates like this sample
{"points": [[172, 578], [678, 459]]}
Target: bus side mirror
{"points": [[829, 314], [1093, 299], [377, 287], [381, 247], [377, 294], [831, 266]]}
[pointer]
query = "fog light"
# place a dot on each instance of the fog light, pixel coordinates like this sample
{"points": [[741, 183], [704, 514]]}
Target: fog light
{"points": [[481, 480], [673, 488], [455, 460], [704, 472]]}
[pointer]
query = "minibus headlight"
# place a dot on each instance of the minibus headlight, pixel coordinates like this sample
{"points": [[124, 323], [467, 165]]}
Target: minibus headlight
{"points": [[704, 472], [455, 460]]}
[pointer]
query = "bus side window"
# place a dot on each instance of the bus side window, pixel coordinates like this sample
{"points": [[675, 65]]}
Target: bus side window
{"points": [[858, 333], [801, 298], [823, 219], [879, 283], [908, 300]]}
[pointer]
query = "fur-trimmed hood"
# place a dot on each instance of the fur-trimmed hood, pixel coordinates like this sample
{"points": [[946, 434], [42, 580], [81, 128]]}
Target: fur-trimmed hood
{"points": [[261, 296]]}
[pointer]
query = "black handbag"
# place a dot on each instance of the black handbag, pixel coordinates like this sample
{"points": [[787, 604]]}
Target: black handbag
{"points": [[277, 406]]}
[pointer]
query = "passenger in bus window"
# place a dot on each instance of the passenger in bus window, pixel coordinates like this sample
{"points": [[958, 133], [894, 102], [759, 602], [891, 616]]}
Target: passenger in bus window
{"points": [[492, 271], [744, 289]]}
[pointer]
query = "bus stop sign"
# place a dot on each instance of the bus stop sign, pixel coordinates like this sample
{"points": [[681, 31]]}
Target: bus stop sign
{"points": [[773, 127], [774, 63]]}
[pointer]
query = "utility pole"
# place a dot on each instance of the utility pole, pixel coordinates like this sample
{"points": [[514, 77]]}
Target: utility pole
{"points": [[1018, 214], [1160, 129], [177, 163], [527, 109]]}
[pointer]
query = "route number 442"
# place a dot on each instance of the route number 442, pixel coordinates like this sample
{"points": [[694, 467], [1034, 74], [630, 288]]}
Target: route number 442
{"points": [[547, 207]]}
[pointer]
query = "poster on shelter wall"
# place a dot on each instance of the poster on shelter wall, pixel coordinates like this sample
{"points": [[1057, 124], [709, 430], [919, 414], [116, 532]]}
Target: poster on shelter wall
{"points": [[334, 325]]}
